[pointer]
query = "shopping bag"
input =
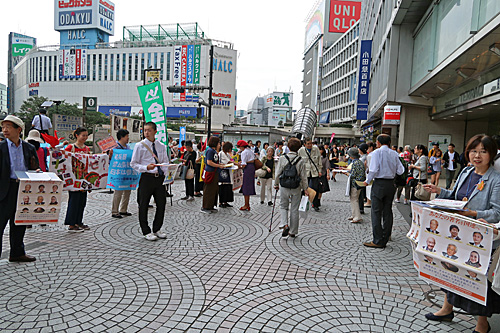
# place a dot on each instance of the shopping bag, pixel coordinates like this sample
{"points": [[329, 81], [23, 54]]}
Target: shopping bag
{"points": [[304, 204]]}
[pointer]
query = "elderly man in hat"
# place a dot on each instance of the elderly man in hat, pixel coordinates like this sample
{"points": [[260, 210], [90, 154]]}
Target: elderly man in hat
{"points": [[15, 155], [41, 122]]}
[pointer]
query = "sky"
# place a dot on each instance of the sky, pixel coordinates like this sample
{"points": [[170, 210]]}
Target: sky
{"points": [[268, 35]]}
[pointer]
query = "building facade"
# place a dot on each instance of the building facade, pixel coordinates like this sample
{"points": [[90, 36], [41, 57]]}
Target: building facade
{"points": [[3, 98]]}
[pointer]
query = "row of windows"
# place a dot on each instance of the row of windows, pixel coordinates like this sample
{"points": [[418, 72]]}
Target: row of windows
{"points": [[104, 67], [345, 113], [343, 42], [341, 71]]}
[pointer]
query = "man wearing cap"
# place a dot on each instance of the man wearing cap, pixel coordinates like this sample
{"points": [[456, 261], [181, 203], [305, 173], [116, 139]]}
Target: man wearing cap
{"points": [[41, 122], [15, 155], [384, 166]]}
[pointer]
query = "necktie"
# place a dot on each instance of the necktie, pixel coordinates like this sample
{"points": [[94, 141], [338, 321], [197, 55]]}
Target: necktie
{"points": [[160, 171]]}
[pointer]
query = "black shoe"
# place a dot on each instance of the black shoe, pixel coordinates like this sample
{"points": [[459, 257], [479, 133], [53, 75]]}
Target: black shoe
{"points": [[126, 214], [198, 195], [228, 205], [23, 258], [184, 198], [285, 231], [362, 212], [117, 216], [292, 235], [270, 203], [488, 331], [150, 206], [432, 316], [169, 195], [262, 202], [316, 209]]}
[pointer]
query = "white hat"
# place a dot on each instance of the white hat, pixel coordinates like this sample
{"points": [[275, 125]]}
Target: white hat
{"points": [[34, 135], [13, 119]]}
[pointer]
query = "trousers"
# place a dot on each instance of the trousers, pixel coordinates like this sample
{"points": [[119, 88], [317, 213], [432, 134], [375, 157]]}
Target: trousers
{"points": [[289, 208], [150, 186], [16, 232], [354, 200], [120, 200], [450, 174], [76, 207], [266, 187], [382, 194]]}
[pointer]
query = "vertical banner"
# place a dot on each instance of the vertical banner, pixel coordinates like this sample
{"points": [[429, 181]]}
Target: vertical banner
{"points": [[365, 56], [60, 61], [190, 64], [154, 109], [66, 64], [83, 64], [121, 175], [182, 135], [183, 70], [197, 64], [72, 63], [78, 63], [38, 201], [176, 97]]}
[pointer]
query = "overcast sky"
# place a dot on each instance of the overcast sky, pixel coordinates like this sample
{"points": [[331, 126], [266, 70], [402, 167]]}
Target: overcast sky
{"points": [[269, 35]]}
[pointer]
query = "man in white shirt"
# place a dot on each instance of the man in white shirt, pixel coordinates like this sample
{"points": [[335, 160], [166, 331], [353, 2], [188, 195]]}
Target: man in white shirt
{"points": [[384, 165], [41, 122], [146, 154]]}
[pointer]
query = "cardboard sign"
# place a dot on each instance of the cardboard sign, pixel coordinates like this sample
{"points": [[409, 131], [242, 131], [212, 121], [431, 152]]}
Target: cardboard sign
{"points": [[38, 199], [121, 175], [107, 144]]}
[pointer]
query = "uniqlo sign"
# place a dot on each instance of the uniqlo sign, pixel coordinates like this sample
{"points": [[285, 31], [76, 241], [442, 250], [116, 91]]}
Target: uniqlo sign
{"points": [[343, 15]]}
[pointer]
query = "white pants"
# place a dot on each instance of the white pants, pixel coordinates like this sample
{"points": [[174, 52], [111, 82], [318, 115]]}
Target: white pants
{"points": [[121, 199], [290, 201], [266, 187], [354, 199]]}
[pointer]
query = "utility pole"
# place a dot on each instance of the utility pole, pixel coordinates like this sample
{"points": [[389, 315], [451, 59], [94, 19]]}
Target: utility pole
{"points": [[210, 89]]}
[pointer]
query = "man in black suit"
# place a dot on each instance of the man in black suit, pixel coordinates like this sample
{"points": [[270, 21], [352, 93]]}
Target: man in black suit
{"points": [[15, 155]]}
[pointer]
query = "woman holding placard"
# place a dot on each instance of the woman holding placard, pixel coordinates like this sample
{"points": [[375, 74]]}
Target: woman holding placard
{"points": [[479, 185], [77, 199]]}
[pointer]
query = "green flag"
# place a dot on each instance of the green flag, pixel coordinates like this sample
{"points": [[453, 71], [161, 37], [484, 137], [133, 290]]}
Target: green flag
{"points": [[154, 109]]}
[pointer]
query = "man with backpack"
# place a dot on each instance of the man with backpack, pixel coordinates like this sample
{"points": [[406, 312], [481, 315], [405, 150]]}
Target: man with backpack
{"points": [[291, 177]]}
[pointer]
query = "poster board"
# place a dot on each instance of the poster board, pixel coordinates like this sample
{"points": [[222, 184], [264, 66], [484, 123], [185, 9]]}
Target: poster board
{"points": [[172, 173], [107, 144], [121, 175], [134, 126], [237, 179], [39, 198], [80, 171], [453, 252]]}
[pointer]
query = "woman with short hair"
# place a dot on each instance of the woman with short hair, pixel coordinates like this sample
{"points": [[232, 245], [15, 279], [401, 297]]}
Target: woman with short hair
{"points": [[226, 194], [247, 162]]}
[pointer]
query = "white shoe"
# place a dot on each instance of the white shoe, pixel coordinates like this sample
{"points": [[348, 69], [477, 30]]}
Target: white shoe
{"points": [[351, 218], [160, 234], [151, 237], [190, 199], [397, 201]]}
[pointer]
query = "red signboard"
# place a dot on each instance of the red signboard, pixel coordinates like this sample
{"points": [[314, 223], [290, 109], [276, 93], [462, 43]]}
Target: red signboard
{"points": [[183, 70], [343, 15]]}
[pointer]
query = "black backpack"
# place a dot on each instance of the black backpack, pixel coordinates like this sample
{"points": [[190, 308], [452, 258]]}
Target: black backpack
{"points": [[290, 177]]}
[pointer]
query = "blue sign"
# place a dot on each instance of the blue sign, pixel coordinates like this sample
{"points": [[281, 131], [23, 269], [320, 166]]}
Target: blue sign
{"points": [[123, 111], [120, 175], [182, 135], [324, 118], [177, 112], [364, 79]]}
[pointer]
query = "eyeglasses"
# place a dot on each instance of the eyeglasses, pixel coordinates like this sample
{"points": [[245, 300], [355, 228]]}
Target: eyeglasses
{"points": [[480, 152]]}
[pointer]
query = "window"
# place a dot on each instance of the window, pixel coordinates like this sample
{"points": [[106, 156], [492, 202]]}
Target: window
{"points": [[106, 67], [136, 77], [111, 67], [93, 67]]}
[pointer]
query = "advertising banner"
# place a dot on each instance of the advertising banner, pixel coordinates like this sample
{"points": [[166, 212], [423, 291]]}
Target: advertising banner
{"points": [[364, 79], [183, 70], [72, 63], [60, 62], [182, 135], [343, 15], [197, 64], [452, 251], [80, 171], [121, 175], [177, 112], [83, 64], [117, 110], [154, 110], [392, 115], [84, 14], [190, 64], [78, 62], [176, 97], [21, 46], [152, 75], [107, 144], [39, 198]]}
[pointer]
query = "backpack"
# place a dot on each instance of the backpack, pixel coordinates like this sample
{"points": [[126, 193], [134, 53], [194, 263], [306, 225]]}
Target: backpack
{"points": [[400, 180], [290, 177]]}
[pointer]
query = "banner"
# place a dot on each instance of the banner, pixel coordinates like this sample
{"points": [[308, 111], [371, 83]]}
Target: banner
{"points": [[452, 251], [39, 198], [365, 56], [197, 64], [154, 110], [121, 175], [107, 144], [80, 171], [182, 135], [183, 70], [176, 97]]}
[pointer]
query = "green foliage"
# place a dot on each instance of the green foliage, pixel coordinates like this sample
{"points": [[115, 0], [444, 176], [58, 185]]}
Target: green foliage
{"points": [[30, 107], [175, 127]]}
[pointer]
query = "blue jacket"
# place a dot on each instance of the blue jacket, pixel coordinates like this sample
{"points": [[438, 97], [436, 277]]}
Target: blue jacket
{"points": [[485, 202]]}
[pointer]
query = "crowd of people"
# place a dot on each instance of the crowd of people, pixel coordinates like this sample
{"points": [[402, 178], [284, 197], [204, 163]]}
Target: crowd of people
{"points": [[378, 173]]}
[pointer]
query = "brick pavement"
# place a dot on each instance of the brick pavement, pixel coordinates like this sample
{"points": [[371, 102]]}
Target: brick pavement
{"points": [[217, 272]]}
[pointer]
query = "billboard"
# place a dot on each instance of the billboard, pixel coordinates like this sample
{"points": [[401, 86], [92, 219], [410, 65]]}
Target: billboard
{"points": [[315, 25], [224, 92], [392, 115], [21, 45], [343, 15], [84, 14], [365, 56], [186, 70], [118, 110], [72, 64], [177, 112]]}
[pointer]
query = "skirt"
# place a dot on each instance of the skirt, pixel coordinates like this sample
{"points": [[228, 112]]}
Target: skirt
{"points": [[226, 193], [248, 187], [473, 308]]}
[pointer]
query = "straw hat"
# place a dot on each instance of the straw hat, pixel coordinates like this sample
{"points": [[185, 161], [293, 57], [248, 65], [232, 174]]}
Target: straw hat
{"points": [[34, 135], [14, 120]]}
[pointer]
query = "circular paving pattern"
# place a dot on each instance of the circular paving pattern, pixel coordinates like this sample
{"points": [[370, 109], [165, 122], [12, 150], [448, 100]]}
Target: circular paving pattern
{"points": [[188, 233], [98, 291], [336, 249], [321, 305]]}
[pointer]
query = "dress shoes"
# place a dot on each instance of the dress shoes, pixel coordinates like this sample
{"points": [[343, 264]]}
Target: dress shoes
{"points": [[432, 316], [126, 214], [23, 258], [372, 244], [488, 331]]}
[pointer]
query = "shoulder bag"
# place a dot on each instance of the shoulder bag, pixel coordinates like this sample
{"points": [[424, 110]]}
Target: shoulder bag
{"points": [[320, 183], [420, 192]]}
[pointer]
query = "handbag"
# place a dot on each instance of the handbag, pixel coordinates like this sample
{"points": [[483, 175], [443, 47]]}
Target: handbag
{"points": [[261, 173], [420, 192], [189, 173], [258, 164]]}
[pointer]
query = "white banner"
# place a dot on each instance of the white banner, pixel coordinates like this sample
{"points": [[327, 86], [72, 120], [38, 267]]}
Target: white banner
{"points": [[177, 55]]}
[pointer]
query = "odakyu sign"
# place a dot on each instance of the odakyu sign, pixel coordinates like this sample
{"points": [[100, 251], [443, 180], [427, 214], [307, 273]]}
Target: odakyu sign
{"points": [[343, 15], [84, 14]]}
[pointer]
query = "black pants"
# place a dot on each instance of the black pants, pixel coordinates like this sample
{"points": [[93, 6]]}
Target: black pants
{"points": [[8, 214], [198, 186], [76, 207], [383, 191], [149, 185], [313, 181], [189, 183]]}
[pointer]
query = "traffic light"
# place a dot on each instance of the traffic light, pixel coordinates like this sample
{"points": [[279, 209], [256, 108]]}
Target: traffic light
{"points": [[198, 112], [175, 89]]}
